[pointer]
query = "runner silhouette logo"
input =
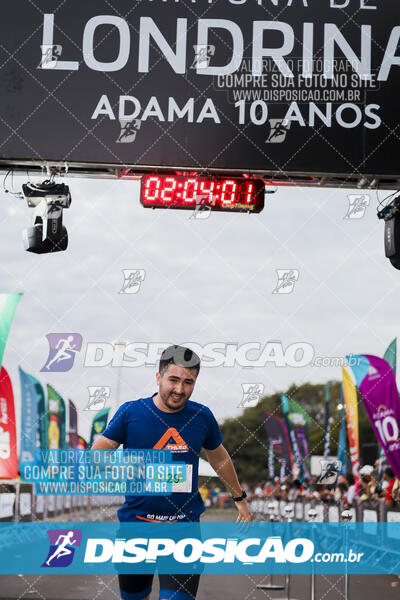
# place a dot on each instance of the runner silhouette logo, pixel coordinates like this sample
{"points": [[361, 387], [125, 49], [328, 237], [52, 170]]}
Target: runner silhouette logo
{"points": [[62, 351], [62, 547]]}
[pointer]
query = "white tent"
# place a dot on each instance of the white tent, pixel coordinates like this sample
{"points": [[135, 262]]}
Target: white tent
{"points": [[205, 469]]}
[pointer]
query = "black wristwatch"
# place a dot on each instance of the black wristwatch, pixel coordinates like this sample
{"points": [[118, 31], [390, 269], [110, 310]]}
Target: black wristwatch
{"points": [[240, 498]]}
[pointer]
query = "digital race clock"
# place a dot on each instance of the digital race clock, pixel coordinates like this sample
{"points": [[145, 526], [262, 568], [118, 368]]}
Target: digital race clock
{"points": [[190, 192]]}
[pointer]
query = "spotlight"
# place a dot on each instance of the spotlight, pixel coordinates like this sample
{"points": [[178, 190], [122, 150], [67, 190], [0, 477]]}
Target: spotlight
{"points": [[47, 233], [391, 215]]}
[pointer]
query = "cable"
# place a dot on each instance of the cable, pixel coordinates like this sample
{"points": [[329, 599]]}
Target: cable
{"points": [[16, 194], [380, 202]]}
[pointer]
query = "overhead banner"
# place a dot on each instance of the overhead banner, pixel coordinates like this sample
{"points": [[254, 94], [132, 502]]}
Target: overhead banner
{"points": [[272, 87], [377, 384], [99, 424], [278, 441], [73, 425], [42, 413], [56, 413], [8, 434], [350, 402], [8, 306], [30, 436]]}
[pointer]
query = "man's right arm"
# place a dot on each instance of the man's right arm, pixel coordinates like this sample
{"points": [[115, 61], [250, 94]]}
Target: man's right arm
{"points": [[103, 443]]}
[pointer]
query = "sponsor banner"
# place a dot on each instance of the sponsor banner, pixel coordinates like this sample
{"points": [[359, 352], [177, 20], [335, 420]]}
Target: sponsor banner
{"points": [[8, 306], [42, 413], [30, 439], [73, 425], [391, 354], [350, 402], [295, 548], [279, 444], [8, 434], [299, 429], [327, 425], [56, 412], [377, 384], [341, 453], [291, 418], [104, 472]]}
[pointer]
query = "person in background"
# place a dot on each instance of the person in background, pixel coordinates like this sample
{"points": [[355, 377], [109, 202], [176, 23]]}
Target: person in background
{"points": [[390, 479], [351, 491], [369, 487], [267, 489], [258, 492], [295, 490]]}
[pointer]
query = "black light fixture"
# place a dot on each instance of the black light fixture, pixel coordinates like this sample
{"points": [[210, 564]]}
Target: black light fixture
{"points": [[47, 233], [391, 215]]}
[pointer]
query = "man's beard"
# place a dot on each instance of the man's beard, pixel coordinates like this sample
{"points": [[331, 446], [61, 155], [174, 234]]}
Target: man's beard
{"points": [[174, 403]]}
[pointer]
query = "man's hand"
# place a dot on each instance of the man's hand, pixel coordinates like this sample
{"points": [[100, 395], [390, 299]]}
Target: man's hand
{"points": [[244, 515]]}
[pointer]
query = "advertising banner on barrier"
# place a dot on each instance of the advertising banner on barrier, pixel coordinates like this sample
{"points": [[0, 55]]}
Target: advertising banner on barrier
{"points": [[304, 88], [8, 433]]}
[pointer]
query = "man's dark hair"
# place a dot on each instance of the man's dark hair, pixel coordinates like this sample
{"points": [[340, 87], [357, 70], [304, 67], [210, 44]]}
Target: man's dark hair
{"points": [[388, 471], [181, 356]]}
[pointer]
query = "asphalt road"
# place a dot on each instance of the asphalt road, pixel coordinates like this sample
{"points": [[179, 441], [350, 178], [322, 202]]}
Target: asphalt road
{"points": [[231, 587]]}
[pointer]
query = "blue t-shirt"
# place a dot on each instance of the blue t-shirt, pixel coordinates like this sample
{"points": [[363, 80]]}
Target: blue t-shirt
{"points": [[140, 424]]}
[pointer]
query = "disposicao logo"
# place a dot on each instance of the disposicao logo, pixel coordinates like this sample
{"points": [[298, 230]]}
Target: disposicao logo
{"points": [[189, 550], [62, 547]]}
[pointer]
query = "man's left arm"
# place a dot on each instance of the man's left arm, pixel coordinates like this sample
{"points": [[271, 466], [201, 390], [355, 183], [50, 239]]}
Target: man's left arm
{"points": [[221, 462]]}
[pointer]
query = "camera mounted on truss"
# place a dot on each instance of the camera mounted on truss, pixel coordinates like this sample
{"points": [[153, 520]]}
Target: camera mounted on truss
{"points": [[47, 233]]}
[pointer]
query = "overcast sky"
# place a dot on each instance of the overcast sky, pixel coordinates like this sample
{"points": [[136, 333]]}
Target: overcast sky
{"points": [[208, 280]]}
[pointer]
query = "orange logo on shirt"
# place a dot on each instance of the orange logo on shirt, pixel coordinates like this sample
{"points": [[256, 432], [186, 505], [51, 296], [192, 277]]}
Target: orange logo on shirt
{"points": [[164, 442]]}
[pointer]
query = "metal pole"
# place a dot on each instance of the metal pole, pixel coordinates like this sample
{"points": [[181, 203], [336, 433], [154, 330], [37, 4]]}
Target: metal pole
{"points": [[346, 518], [312, 515], [270, 586]]}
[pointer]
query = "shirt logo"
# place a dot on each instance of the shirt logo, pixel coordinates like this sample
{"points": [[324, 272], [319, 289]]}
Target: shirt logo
{"points": [[164, 443]]}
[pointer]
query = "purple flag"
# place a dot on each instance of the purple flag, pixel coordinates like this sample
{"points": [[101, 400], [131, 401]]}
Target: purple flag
{"points": [[278, 440], [377, 384]]}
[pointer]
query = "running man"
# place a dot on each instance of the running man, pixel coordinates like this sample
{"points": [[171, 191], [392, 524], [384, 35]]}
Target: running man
{"points": [[169, 420], [62, 549], [62, 353]]}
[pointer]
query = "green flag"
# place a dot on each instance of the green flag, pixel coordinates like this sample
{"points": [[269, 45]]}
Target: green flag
{"points": [[8, 305], [99, 424], [391, 355], [42, 413], [56, 412]]}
